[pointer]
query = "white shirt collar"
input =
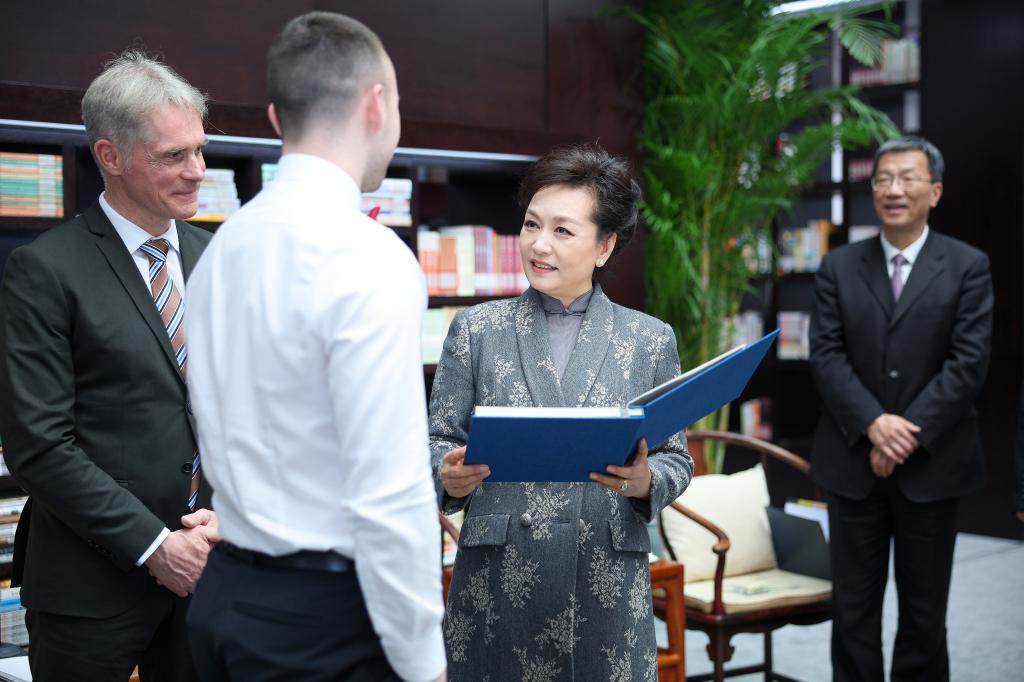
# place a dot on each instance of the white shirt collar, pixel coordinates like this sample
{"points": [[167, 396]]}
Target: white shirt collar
{"points": [[325, 177], [131, 234], [910, 253]]}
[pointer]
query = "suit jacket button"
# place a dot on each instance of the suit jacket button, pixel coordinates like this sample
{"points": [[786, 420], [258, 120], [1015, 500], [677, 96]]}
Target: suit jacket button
{"points": [[894, 374], [526, 520], [186, 468]]}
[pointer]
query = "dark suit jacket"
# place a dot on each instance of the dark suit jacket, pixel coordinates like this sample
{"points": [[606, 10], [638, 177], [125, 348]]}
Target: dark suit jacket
{"points": [[94, 415], [924, 358]]}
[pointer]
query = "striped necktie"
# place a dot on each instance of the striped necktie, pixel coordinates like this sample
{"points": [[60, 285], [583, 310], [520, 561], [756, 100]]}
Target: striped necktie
{"points": [[171, 307]]}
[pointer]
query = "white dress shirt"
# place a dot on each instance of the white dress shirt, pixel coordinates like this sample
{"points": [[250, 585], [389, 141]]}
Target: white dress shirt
{"points": [[306, 380], [910, 253], [134, 237]]}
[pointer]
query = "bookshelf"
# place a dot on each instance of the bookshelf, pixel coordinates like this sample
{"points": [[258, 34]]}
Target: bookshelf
{"points": [[842, 196]]}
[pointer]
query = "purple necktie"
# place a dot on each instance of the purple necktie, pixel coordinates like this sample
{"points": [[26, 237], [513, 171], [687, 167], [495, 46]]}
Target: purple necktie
{"points": [[898, 261]]}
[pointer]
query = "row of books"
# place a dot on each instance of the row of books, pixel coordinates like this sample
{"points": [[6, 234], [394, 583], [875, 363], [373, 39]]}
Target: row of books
{"points": [[794, 335], [218, 196], [31, 185], [901, 63], [470, 260], [12, 617], [392, 200], [802, 248], [436, 322]]}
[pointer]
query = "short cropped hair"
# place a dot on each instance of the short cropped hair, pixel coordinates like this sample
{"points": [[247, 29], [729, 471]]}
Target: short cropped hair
{"points": [[913, 143], [131, 86], [316, 67], [588, 166]]}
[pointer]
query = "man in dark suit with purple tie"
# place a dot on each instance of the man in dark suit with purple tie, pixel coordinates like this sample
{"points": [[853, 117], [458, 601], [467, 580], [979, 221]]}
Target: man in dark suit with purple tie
{"points": [[900, 345]]}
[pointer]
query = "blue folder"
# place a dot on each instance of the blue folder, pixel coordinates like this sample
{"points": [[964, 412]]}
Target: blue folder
{"points": [[544, 444]]}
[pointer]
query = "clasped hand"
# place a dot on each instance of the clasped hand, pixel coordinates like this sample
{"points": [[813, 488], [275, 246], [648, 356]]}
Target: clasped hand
{"points": [[180, 559]]}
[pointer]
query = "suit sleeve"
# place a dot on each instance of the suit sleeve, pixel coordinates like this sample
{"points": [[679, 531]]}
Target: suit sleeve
{"points": [[846, 398], [949, 395], [670, 461], [37, 417], [451, 404]]}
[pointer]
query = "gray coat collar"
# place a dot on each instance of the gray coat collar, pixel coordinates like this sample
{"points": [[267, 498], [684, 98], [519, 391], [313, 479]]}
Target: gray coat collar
{"points": [[585, 361]]}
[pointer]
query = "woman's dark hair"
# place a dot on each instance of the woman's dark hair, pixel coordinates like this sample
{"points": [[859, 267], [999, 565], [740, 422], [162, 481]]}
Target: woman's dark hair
{"points": [[616, 194]]}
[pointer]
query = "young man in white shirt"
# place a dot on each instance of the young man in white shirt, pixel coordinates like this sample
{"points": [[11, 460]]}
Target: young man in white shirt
{"points": [[307, 385]]}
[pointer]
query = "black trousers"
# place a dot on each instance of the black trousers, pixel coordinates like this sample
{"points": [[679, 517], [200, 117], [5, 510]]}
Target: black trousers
{"points": [[152, 635], [253, 623], [923, 536]]}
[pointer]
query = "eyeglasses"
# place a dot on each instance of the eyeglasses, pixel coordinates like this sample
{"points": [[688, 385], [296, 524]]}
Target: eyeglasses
{"points": [[909, 183]]}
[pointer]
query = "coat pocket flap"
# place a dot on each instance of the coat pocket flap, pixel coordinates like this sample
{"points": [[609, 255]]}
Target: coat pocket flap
{"points": [[629, 536], [485, 529]]}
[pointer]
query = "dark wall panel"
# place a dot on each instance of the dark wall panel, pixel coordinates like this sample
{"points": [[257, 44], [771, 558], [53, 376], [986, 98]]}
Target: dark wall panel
{"points": [[467, 63], [219, 46]]}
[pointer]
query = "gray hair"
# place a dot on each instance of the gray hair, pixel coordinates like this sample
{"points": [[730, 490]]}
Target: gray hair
{"points": [[913, 143], [131, 86], [316, 67]]}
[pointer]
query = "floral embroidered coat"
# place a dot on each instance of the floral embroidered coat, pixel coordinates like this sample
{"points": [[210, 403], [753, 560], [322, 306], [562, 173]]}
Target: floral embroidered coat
{"points": [[552, 579]]}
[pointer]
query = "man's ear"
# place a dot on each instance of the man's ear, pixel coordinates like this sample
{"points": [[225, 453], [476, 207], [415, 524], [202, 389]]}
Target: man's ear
{"points": [[274, 120], [109, 157], [375, 107]]}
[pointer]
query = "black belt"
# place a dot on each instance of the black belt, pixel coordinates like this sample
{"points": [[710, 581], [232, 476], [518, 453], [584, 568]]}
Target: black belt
{"points": [[305, 560]]}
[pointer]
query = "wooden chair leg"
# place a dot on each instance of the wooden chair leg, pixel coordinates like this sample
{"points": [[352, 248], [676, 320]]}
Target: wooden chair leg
{"points": [[769, 675], [720, 652]]}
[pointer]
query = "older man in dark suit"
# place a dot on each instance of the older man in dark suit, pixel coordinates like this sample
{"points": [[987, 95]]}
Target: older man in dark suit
{"points": [[93, 406], [900, 343]]}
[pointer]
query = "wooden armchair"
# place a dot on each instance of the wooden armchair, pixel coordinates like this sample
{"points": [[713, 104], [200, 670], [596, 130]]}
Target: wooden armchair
{"points": [[667, 588], [723, 607]]}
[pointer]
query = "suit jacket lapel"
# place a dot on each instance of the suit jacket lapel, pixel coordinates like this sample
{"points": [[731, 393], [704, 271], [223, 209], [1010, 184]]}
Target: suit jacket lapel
{"points": [[875, 274], [121, 262], [535, 351], [928, 266], [590, 350]]}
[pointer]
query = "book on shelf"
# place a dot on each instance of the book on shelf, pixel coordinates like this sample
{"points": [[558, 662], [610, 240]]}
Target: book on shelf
{"points": [[794, 335], [436, 322], [747, 327], [801, 248], [755, 418], [901, 63], [31, 185], [12, 617], [392, 198], [470, 260], [218, 196], [859, 170], [543, 444]]}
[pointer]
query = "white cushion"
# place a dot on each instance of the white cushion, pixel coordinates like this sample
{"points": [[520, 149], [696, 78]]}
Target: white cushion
{"points": [[774, 588], [736, 504]]}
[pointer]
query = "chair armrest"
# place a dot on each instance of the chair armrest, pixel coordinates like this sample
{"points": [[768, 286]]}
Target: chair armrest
{"points": [[719, 548], [449, 526], [757, 445]]}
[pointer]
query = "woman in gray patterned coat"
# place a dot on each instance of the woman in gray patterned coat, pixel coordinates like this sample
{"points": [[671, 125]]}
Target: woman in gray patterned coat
{"points": [[552, 580]]}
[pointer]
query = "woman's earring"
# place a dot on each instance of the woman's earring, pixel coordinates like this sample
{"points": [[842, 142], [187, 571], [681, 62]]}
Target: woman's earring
{"points": [[600, 262]]}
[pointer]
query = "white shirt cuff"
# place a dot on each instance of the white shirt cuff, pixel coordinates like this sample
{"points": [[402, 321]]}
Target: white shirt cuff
{"points": [[418, 660], [152, 548]]}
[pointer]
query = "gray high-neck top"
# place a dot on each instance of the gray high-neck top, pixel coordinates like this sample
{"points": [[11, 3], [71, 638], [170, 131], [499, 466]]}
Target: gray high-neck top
{"points": [[563, 326]]}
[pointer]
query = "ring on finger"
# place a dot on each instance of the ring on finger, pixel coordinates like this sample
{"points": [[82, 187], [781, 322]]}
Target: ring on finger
{"points": [[625, 484]]}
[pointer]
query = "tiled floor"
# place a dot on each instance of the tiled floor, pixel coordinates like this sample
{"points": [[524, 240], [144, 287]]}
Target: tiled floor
{"points": [[985, 623]]}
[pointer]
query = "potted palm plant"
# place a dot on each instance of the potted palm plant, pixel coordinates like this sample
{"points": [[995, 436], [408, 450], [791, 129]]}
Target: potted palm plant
{"points": [[725, 81]]}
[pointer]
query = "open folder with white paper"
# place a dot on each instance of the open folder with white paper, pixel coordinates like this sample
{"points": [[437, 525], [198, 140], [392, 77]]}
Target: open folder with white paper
{"points": [[559, 444]]}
